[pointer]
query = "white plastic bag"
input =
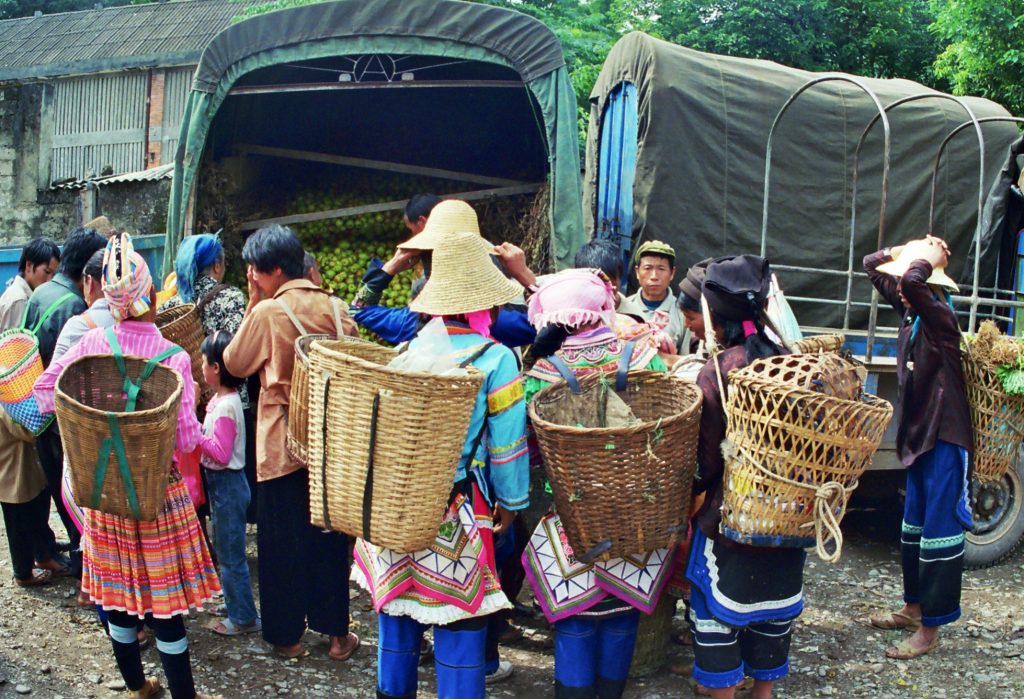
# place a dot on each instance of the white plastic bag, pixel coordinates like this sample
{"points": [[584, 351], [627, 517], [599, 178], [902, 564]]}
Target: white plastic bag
{"points": [[781, 314], [429, 352]]}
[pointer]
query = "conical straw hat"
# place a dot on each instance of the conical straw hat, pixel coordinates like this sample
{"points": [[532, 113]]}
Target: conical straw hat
{"points": [[463, 279], [449, 216], [912, 251]]}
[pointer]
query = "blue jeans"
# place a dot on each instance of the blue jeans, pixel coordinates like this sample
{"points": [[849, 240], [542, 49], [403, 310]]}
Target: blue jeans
{"points": [[228, 492]]}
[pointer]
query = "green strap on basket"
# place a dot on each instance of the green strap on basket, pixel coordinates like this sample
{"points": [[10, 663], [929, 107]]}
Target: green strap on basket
{"points": [[47, 313], [115, 442]]}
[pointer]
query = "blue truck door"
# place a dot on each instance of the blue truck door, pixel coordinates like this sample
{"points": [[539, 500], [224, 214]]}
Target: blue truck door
{"points": [[616, 169]]}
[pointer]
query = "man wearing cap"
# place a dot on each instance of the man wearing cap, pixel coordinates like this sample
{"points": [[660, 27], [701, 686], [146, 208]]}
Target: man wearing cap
{"points": [[934, 440], [655, 269]]}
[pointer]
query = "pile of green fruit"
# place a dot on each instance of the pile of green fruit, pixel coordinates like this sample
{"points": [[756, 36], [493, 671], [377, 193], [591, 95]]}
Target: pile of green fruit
{"points": [[345, 247]]}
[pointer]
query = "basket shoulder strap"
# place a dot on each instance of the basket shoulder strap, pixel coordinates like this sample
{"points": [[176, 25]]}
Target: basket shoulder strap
{"points": [[87, 319], [622, 373], [336, 310], [209, 296], [291, 316], [115, 443], [565, 371], [476, 354], [50, 310], [132, 388]]}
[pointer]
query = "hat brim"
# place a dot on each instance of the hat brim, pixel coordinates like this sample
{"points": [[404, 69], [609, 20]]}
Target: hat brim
{"points": [[438, 299], [897, 268], [429, 240]]}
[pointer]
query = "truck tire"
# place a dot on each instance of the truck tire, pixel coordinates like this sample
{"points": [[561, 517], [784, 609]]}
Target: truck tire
{"points": [[998, 520]]}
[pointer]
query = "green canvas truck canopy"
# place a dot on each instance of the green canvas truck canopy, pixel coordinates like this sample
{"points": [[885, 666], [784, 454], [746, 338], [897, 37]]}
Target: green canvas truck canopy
{"points": [[702, 129], [527, 132]]}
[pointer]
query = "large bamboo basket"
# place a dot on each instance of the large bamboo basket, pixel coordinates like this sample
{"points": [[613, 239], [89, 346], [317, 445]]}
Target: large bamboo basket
{"points": [[89, 403], [22, 365], [653, 635], [298, 400], [623, 490], [182, 326], [997, 419], [800, 435], [409, 427], [819, 343]]}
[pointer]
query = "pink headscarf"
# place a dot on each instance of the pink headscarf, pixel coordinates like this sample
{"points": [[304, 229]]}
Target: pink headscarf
{"points": [[126, 279], [573, 298]]}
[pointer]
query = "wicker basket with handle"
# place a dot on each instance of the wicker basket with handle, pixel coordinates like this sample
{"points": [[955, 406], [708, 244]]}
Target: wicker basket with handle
{"points": [[622, 490], [384, 444], [119, 449], [298, 399], [799, 435], [182, 326], [997, 419]]}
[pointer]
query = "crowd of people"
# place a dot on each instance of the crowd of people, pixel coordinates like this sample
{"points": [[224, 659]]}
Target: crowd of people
{"points": [[522, 332]]}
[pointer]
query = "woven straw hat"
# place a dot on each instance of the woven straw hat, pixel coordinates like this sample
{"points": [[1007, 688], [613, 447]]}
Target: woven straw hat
{"points": [[899, 267], [449, 216], [463, 278]]}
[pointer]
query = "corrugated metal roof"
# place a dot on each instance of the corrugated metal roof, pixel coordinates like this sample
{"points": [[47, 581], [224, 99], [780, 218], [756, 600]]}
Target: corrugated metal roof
{"points": [[163, 172], [115, 38]]}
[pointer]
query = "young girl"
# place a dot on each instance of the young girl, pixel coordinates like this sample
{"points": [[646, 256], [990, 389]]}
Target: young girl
{"points": [[223, 448]]}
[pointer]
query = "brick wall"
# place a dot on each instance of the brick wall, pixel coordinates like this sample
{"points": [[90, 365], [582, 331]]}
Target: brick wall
{"points": [[156, 117]]}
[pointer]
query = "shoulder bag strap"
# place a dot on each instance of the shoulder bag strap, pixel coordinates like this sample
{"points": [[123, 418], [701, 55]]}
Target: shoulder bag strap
{"points": [[87, 319], [291, 316], [209, 296], [336, 310], [622, 374], [48, 312]]}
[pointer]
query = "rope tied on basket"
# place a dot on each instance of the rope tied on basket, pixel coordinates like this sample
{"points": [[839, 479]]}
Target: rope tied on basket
{"points": [[115, 442], [828, 498]]}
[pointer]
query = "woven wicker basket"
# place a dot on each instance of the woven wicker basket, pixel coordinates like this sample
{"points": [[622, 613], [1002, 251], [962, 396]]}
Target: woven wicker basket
{"points": [[623, 490], [182, 326], [652, 638], [794, 454], [410, 427], [298, 399], [89, 401], [22, 365], [819, 343], [997, 419]]}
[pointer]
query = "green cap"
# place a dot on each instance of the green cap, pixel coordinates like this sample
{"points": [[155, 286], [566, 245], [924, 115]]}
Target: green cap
{"points": [[655, 247]]}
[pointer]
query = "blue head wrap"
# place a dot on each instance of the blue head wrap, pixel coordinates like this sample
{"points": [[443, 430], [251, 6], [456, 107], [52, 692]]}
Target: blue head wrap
{"points": [[196, 253]]}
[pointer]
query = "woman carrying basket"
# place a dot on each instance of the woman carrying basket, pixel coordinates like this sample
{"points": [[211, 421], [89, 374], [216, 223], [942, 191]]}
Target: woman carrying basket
{"points": [[934, 440], [595, 608], [743, 599], [156, 570], [453, 585]]}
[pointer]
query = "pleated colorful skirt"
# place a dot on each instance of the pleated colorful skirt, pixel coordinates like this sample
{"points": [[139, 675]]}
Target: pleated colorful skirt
{"points": [[162, 567]]}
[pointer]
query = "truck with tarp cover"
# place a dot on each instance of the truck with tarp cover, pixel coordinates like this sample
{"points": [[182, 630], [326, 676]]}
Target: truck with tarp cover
{"points": [[721, 155]]}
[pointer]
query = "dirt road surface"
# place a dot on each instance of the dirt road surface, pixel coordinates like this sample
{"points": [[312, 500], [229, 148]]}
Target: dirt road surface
{"points": [[50, 648]]}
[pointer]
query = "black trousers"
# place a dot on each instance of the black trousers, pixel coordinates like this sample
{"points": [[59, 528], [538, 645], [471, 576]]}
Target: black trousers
{"points": [[51, 456], [303, 570], [28, 533]]}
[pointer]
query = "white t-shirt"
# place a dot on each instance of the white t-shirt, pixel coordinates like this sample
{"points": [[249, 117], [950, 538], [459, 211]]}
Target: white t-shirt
{"points": [[229, 406]]}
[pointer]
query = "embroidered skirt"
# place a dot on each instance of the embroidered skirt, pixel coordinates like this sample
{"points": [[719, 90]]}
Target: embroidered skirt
{"points": [[161, 567], [452, 580], [744, 585], [564, 586]]}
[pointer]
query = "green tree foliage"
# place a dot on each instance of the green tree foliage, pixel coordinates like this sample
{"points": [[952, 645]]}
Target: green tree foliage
{"points": [[984, 52]]}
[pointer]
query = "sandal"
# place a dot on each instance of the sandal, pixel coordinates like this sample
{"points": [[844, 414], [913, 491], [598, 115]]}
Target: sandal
{"points": [[152, 688], [84, 601], [57, 565], [904, 651], [42, 577], [895, 620], [344, 655], [230, 628], [290, 652]]}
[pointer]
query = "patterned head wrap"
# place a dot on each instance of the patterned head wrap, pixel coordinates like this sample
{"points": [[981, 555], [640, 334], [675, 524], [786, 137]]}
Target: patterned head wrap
{"points": [[196, 253], [126, 280], [573, 298]]}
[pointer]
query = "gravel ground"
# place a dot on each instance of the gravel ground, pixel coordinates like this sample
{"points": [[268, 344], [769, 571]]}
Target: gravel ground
{"points": [[51, 648]]}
